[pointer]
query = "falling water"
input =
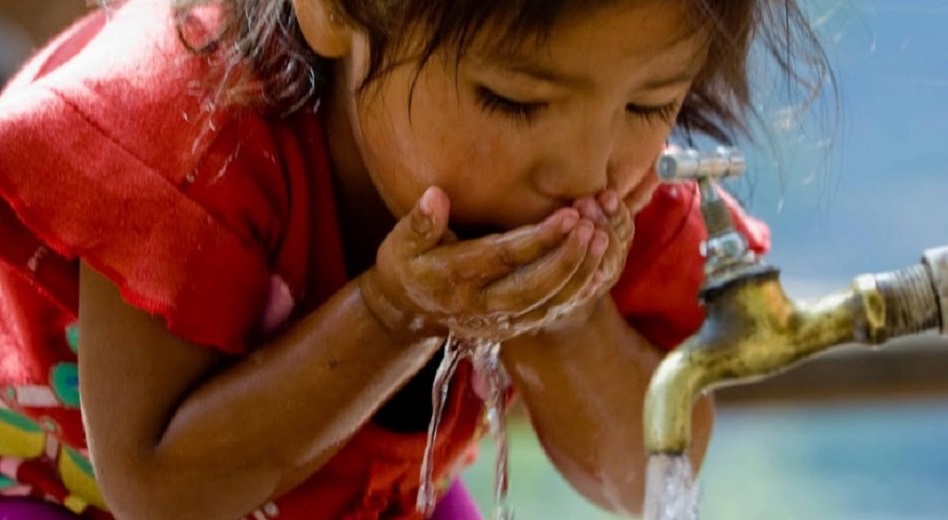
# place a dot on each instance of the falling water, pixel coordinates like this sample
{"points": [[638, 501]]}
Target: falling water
{"points": [[427, 500], [485, 358], [670, 490], [487, 366]]}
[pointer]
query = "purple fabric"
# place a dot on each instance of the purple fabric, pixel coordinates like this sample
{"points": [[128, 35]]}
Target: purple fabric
{"points": [[456, 504], [22, 508]]}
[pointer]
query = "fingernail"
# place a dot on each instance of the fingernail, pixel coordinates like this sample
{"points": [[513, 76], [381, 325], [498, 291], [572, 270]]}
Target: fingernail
{"points": [[598, 277], [599, 243], [569, 221], [422, 221], [610, 201], [587, 207], [585, 231], [425, 203], [596, 208]]}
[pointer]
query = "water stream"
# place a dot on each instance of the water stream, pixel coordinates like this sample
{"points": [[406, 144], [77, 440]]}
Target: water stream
{"points": [[427, 500], [489, 370], [484, 356], [670, 489]]}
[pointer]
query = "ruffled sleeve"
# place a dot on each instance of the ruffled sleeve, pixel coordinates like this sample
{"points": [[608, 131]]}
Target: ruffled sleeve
{"points": [[658, 291], [103, 159]]}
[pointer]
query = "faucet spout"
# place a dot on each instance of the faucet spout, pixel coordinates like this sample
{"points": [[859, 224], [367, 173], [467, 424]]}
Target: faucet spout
{"points": [[753, 330]]}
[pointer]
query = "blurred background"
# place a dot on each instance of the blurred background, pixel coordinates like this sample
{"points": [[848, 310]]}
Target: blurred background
{"points": [[856, 434]]}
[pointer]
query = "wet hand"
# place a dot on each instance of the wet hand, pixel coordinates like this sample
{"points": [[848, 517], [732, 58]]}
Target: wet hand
{"points": [[426, 283], [614, 217], [614, 231]]}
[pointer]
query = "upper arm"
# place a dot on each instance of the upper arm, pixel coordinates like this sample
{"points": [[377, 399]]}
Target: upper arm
{"points": [[132, 374]]}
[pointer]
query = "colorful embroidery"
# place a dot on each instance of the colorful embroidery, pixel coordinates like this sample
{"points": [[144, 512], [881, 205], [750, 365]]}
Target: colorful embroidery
{"points": [[72, 337], [64, 379], [20, 437], [29, 443]]}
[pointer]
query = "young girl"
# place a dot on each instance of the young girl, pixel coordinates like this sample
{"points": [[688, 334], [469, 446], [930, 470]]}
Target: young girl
{"points": [[237, 234]]}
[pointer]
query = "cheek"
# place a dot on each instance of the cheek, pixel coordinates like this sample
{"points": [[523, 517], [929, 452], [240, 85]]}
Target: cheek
{"points": [[482, 164], [636, 164], [391, 159], [468, 157]]}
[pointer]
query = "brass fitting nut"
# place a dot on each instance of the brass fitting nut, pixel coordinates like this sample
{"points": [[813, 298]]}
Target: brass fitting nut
{"points": [[871, 327], [936, 260]]}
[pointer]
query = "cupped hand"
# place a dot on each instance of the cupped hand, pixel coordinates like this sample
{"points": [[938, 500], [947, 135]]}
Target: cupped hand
{"points": [[612, 239], [426, 283]]}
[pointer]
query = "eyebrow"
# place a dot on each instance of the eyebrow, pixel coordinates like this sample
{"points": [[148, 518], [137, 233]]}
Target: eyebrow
{"points": [[517, 64], [541, 73], [685, 76], [536, 71], [548, 75]]}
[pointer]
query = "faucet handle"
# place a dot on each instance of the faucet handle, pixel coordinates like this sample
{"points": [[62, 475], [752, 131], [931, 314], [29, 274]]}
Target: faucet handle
{"points": [[682, 165], [706, 168], [727, 255]]}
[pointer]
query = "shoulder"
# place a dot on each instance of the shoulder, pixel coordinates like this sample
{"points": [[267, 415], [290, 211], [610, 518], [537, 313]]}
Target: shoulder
{"points": [[110, 152], [120, 96], [128, 74]]}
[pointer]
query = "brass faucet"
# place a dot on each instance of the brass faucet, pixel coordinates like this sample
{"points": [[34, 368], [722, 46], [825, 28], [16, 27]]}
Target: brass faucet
{"points": [[752, 329]]}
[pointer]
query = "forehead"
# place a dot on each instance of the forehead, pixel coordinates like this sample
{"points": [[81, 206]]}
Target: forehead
{"points": [[643, 35]]}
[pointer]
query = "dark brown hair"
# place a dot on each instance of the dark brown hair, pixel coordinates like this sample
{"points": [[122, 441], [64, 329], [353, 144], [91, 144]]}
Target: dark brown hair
{"points": [[262, 38]]}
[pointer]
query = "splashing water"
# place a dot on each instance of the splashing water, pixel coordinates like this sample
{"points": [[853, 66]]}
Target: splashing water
{"points": [[485, 358], [670, 490]]}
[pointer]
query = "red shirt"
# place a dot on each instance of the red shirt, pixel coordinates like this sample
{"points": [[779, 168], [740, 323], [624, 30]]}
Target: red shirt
{"points": [[221, 222]]}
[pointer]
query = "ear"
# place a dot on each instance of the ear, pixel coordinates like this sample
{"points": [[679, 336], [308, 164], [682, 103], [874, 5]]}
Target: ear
{"points": [[323, 29]]}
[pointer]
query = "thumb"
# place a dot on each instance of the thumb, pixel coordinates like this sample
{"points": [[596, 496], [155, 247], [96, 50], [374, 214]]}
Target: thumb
{"points": [[424, 226]]}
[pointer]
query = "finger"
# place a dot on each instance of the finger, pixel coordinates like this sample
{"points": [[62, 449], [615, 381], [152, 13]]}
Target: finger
{"points": [[492, 257], [532, 285], [588, 208], [422, 228], [609, 201], [614, 258], [579, 289], [622, 224]]}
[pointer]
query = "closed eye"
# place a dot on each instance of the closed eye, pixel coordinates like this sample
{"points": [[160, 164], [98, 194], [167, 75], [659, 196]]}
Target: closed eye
{"points": [[520, 111], [651, 114]]}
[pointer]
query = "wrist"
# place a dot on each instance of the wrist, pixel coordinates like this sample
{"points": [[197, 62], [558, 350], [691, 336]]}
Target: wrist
{"points": [[396, 320]]}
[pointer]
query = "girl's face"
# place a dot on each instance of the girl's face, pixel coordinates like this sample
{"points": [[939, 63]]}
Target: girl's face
{"points": [[512, 137]]}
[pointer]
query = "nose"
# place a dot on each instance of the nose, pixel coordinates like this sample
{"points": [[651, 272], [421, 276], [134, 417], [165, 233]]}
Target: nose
{"points": [[578, 161]]}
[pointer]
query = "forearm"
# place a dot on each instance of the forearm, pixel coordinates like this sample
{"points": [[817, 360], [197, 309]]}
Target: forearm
{"points": [[584, 388], [261, 426]]}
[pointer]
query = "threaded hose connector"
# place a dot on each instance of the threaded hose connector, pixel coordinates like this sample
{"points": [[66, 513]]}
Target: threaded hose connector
{"points": [[717, 218], [911, 305]]}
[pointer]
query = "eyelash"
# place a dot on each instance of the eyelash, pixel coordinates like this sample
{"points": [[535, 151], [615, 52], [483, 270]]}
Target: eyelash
{"points": [[493, 103], [663, 113], [520, 112]]}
